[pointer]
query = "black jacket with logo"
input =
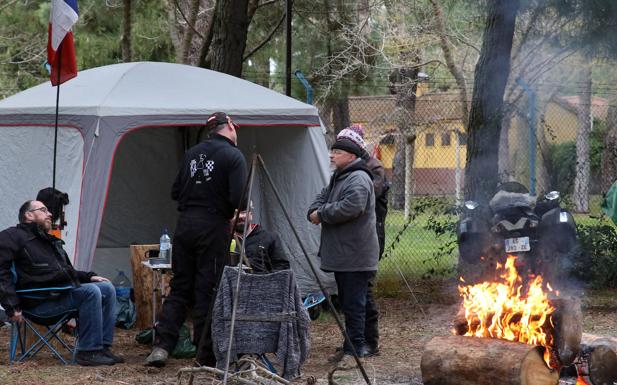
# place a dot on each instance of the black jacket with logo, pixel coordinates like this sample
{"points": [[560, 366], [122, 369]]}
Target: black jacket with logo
{"points": [[40, 261], [211, 178]]}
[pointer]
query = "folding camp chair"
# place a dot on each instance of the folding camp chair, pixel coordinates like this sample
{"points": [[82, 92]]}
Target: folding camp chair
{"points": [[53, 324]]}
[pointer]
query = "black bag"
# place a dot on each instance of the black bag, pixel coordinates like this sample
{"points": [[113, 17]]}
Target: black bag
{"points": [[126, 315]]}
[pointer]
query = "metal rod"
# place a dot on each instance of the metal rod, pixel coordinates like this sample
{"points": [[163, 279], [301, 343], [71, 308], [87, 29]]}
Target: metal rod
{"points": [[288, 16], [313, 269], [59, 54], [242, 253]]}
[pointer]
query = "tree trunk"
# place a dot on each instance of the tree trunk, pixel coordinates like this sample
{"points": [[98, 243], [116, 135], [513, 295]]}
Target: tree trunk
{"points": [[403, 83], [229, 36], [340, 114], [491, 76], [609, 153], [397, 187], [505, 171], [456, 360], [543, 179], [126, 32], [582, 179]]}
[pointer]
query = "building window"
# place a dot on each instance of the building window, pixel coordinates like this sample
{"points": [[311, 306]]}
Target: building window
{"points": [[429, 140], [445, 139], [462, 139]]}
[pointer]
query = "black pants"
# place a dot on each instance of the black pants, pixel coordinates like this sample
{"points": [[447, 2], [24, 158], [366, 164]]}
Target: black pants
{"points": [[200, 246], [359, 308]]}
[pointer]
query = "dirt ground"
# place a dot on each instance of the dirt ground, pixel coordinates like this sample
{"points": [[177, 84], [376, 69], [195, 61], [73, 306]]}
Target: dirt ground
{"points": [[404, 331]]}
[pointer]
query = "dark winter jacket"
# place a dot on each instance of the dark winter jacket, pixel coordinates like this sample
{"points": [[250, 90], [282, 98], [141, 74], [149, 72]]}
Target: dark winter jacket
{"points": [[265, 251], [346, 209], [211, 179], [40, 261]]}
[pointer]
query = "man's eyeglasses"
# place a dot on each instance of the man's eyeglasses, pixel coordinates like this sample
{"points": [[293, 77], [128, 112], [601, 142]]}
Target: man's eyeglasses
{"points": [[43, 209]]}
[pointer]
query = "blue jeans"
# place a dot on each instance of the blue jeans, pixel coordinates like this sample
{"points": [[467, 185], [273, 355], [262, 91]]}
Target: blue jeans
{"points": [[95, 303]]}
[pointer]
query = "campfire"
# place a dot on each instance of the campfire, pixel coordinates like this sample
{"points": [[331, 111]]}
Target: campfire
{"points": [[517, 330], [510, 310]]}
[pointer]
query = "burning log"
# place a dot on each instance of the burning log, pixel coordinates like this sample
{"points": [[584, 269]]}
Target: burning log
{"points": [[457, 360], [598, 359], [567, 321]]}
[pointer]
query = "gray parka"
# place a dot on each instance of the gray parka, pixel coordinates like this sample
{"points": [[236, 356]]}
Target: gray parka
{"points": [[346, 209]]}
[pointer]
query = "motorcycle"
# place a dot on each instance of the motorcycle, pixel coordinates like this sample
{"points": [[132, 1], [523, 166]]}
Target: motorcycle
{"points": [[541, 234]]}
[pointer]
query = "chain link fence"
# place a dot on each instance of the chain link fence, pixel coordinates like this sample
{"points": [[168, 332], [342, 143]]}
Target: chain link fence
{"points": [[424, 151]]}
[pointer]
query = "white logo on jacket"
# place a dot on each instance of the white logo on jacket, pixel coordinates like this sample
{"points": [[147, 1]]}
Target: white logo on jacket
{"points": [[206, 166]]}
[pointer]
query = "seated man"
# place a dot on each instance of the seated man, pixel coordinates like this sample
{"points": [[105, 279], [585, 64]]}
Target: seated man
{"points": [[40, 261], [263, 248]]}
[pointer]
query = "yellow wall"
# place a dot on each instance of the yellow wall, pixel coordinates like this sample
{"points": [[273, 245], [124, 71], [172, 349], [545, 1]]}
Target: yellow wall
{"points": [[387, 154], [439, 156], [560, 124]]}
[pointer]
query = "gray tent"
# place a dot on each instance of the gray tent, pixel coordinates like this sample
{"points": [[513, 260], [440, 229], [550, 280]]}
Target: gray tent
{"points": [[123, 130]]}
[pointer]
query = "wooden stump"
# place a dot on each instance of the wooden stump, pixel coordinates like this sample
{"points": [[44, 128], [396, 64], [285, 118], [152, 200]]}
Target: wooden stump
{"points": [[568, 330], [457, 360], [142, 285], [602, 358]]}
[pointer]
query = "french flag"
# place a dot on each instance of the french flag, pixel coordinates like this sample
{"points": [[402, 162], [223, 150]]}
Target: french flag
{"points": [[60, 46]]}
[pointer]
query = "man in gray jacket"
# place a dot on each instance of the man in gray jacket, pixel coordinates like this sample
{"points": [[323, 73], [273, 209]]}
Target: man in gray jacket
{"points": [[349, 247]]}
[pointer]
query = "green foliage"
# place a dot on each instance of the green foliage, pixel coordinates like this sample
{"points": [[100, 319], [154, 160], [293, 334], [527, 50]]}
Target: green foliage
{"points": [[561, 166], [562, 159], [597, 264], [431, 218], [23, 38]]}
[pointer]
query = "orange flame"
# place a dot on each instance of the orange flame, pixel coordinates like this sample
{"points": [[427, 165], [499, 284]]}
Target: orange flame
{"points": [[507, 310], [581, 381]]}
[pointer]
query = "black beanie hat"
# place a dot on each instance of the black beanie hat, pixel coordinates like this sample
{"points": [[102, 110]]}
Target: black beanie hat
{"points": [[349, 146]]}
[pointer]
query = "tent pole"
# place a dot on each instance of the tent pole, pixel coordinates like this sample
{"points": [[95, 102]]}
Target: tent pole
{"points": [[59, 54], [242, 255], [313, 269]]}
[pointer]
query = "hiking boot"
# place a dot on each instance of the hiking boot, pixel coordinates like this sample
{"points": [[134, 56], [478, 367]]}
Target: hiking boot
{"points": [[117, 359], [93, 358], [337, 356], [157, 357], [372, 351], [347, 362]]}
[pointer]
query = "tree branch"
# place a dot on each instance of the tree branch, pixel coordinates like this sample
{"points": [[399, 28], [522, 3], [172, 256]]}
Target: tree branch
{"points": [[266, 40]]}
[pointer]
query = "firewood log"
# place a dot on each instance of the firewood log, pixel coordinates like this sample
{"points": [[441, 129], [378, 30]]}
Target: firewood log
{"points": [[457, 360], [568, 328], [602, 357]]}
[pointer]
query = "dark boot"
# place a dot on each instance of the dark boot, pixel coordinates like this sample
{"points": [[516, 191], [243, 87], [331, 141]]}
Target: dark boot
{"points": [[93, 358]]}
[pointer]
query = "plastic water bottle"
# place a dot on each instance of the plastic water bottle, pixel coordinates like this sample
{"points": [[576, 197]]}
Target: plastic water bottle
{"points": [[165, 247], [122, 283]]}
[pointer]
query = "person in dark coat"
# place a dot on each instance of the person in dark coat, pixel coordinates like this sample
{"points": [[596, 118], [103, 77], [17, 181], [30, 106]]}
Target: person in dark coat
{"points": [[345, 209], [40, 261], [263, 248], [208, 189]]}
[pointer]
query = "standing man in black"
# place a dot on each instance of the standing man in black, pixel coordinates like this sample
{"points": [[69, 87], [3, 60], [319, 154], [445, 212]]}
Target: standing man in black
{"points": [[208, 189]]}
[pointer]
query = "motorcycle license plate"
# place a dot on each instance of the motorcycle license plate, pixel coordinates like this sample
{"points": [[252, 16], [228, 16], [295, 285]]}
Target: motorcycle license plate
{"points": [[514, 245]]}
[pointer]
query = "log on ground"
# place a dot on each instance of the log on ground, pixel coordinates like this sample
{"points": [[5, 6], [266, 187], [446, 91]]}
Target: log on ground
{"points": [[457, 360], [602, 358], [568, 328]]}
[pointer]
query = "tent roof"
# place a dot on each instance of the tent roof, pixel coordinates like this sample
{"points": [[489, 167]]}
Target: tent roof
{"points": [[151, 88]]}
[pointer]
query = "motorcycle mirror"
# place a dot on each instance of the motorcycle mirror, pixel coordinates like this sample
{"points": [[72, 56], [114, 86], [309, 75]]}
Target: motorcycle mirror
{"points": [[551, 196], [470, 205]]}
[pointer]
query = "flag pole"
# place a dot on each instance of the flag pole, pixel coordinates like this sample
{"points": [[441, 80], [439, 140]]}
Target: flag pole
{"points": [[59, 55]]}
